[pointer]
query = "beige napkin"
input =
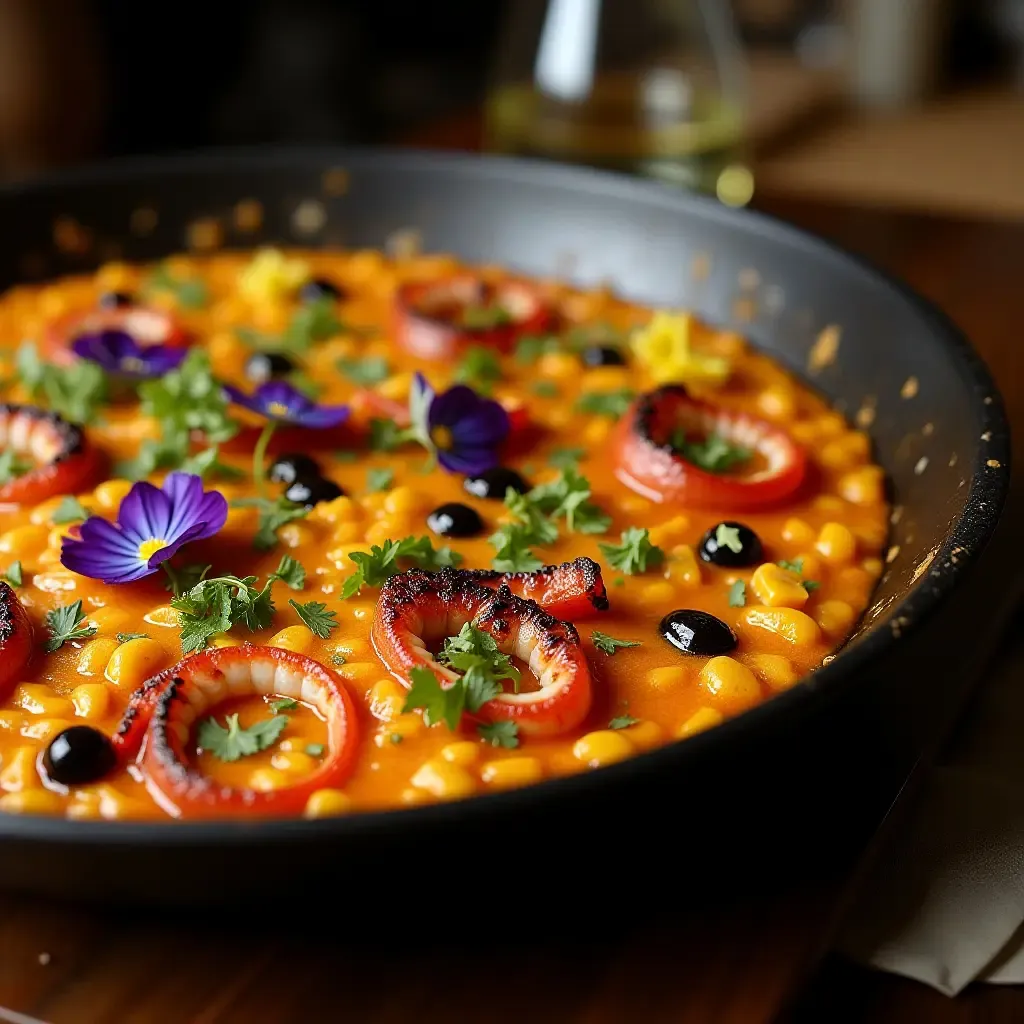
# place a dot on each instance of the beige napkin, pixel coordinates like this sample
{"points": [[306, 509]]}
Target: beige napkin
{"points": [[943, 901]]}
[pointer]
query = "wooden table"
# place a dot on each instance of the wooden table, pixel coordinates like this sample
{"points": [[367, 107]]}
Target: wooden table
{"points": [[761, 959]]}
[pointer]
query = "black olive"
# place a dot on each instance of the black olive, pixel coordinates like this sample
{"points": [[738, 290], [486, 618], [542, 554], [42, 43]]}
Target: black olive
{"points": [[77, 755], [311, 490], [696, 632], [115, 300], [320, 288], [602, 355], [732, 545], [264, 366], [455, 520], [286, 469], [495, 482]]}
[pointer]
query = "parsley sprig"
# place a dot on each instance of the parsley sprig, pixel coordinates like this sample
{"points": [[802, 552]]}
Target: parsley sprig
{"points": [[568, 497], [64, 624], [273, 513], [480, 368], [76, 392], [382, 562], [310, 324], [610, 644], [190, 292], [634, 554], [316, 617], [797, 566], [13, 574], [606, 403], [231, 741], [714, 453]]}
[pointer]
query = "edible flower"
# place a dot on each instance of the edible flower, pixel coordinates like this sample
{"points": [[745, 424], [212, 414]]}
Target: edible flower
{"points": [[271, 276], [278, 402], [119, 353], [458, 427], [152, 524], [664, 347]]}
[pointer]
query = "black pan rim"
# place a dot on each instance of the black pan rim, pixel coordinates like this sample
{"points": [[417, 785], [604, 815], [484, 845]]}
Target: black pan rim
{"points": [[987, 492]]}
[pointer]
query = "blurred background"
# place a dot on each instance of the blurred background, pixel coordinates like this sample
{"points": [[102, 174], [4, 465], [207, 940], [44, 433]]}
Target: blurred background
{"points": [[916, 103]]}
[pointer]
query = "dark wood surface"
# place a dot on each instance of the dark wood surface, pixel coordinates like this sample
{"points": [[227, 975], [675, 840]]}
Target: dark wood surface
{"points": [[755, 961]]}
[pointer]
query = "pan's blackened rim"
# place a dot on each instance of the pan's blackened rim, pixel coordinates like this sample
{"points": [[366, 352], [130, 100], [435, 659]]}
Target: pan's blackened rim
{"points": [[989, 474]]}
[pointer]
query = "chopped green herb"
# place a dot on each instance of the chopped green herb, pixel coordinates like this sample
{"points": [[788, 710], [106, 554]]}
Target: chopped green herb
{"points": [[513, 553], [76, 392], [605, 403], [183, 578], [338, 660], [568, 495], [537, 527], [385, 436], [214, 605], [634, 554], [381, 563], [364, 372], [379, 479], [273, 514], [480, 318], [283, 704], [207, 464], [810, 585], [70, 510], [588, 335], [347, 456], [545, 389], [315, 749], [714, 453], [13, 574], [190, 292], [618, 582], [291, 572], [797, 565], [64, 624], [123, 638], [566, 458], [316, 616], [531, 347], [396, 738], [738, 594], [622, 722], [609, 644], [312, 322], [728, 537], [230, 742], [480, 368], [500, 734], [12, 466]]}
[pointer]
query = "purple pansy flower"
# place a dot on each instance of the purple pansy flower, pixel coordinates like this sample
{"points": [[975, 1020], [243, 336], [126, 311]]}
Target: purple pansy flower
{"points": [[118, 352], [280, 402], [152, 524], [460, 427]]}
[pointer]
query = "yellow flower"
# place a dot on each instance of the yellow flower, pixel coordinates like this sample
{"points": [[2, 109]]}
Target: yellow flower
{"points": [[663, 346], [272, 276]]}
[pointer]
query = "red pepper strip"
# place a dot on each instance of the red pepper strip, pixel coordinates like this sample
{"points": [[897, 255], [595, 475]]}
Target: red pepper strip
{"points": [[647, 463], [165, 708], [417, 609], [65, 462], [15, 640], [146, 324], [572, 590], [434, 319]]}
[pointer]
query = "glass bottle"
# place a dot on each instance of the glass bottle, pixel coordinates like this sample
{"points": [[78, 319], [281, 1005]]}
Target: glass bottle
{"points": [[652, 87]]}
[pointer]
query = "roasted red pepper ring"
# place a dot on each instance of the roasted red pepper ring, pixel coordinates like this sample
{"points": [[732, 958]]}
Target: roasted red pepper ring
{"points": [[64, 461], [647, 462], [573, 590], [417, 609], [147, 325], [436, 320], [15, 640], [164, 710]]}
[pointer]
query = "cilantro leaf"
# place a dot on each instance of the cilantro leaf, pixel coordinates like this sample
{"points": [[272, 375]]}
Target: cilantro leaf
{"points": [[315, 749], [438, 704], [123, 638], [513, 553], [12, 465], [312, 322], [273, 514], [385, 436], [207, 463], [727, 536], [634, 554], [183, 578], [13, 574], [379, 479], [230, 742], [606, 403], [381, 562], [65, 624], [216, 604], [366, 371], [283, 704], [190, 292], [527, 512], [500, 734], [566, 458], [622, 722], [473, 647], [713, 453], [480, 368], [75, 392], [797, 565], [531, 347], [480, 318], [568, 495], [291, 572], [738, 594], [609, 644], [316, 616], [70, 510]]}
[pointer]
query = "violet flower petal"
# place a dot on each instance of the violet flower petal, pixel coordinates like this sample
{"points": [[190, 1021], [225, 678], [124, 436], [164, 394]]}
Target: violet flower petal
{"points": [[486, 424]]}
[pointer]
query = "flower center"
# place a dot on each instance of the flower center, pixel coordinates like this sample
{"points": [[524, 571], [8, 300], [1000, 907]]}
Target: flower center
{"points": [[442, 437], [148, 548], [278, 409], [132, 364]]}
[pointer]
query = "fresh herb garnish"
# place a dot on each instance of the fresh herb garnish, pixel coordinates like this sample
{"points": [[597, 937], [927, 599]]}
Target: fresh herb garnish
{"points": [[728, 537], [738, 594], [537, 528], [315, 749], [190, 292], [273, 513], [381, 563], [479, 318], [13, 465], [797, 568], [545, 389], [76, 392], [622, 722], [291, 572], [609, 644], [283, 704], [230, 742], [379, 479], [123, 638], [70, 510], [810, 585], [513, 554], [605, 403], [568, 496], [64, 624], [183, 578], [396, 738], [338, 659], [531, 347], [474, 652], [312, 322], [366, 371], [566, 458], [500, 734], [13, 574], [385, 436], [480, 368], [207, 463], [214, 605], [316, 616], [634, 554], [714, 453]]}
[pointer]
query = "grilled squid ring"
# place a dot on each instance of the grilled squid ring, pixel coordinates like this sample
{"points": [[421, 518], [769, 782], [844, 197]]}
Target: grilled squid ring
{"points": [[418, 609], [165, 708], [572, 590], [65, 463], [15, 640]]}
